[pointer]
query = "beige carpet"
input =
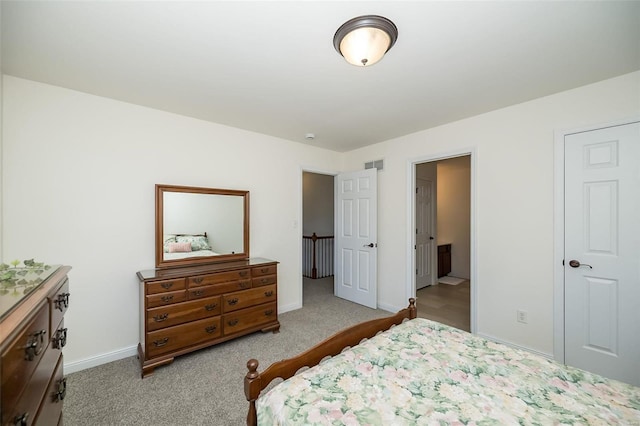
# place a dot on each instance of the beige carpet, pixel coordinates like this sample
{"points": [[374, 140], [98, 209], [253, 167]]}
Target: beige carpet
{"points": [[205, 387]]}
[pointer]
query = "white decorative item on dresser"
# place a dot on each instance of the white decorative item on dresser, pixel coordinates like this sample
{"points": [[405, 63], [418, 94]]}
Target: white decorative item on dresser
{"points": [[32, 335]]}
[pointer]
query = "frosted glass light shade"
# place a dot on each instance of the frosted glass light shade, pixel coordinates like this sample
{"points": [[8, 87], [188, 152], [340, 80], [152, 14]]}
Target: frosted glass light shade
{"points": [[364, 40]]}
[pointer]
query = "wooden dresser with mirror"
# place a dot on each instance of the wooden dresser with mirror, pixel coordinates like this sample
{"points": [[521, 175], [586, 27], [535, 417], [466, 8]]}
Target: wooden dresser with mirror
{"points": [[205, 288]]}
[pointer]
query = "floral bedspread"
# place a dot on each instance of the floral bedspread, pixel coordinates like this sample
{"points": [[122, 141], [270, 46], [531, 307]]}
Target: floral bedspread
{"points": [[426, 373]]}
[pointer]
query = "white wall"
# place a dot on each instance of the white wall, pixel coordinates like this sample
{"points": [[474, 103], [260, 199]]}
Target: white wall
{"points": [[514, 201], [454, 212], [79, 183]]}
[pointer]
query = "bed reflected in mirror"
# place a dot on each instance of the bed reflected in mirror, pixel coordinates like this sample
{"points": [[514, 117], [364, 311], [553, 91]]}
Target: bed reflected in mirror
{"points": [[200, 225]]}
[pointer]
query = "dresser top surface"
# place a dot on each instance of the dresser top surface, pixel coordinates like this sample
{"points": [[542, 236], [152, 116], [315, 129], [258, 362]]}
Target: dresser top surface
{"points": [[160, 274], [16, 284]]}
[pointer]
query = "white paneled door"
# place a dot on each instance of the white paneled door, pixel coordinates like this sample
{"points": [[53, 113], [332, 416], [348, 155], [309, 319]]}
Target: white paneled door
{"points": [[425, 234], [602, 251], [356, 237]]}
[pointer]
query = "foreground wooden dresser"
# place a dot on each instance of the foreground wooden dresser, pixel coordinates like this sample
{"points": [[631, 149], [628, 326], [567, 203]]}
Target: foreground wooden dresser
{"points": [[32, 335], [190, 308]]}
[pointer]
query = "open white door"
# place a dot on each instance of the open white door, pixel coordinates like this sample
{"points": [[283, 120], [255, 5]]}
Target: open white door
{"points": [[425, 234], [602, 278], [356, 199]]}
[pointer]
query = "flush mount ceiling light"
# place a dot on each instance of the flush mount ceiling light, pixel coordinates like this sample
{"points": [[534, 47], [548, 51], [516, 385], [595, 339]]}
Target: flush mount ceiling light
{"points": [[364, 40]]}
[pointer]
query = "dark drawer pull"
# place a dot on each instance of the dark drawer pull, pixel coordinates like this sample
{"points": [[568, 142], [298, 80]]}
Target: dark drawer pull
{"points": [[244, 284], [62, 301], [60, 340], [161, 317], [197, 293], [264, 270], [232, 301], [21, 420], [161, 342], [268, 312], [244, 273], [198, 280], [167, 299], [167, 286], [268, 293], [232, 322], [35, 345], [210, 329], [211, 306], [61, 392]]}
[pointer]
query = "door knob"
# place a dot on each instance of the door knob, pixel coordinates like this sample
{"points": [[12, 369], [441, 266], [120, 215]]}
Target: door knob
{"points": [[577, 264], [431, 238], [369, 245]]}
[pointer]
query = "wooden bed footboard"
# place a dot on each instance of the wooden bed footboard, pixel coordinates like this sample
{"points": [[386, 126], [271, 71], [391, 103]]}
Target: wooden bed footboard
{"points": [[255, 382]]}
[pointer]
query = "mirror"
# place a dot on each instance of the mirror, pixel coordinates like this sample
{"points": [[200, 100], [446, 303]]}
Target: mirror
{"points": [[200, 225]]}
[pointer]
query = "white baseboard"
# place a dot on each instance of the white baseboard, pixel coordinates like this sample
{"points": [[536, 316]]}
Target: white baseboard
{"points": [[513, 345], [390, 308], [290, 307], [97, 360]]}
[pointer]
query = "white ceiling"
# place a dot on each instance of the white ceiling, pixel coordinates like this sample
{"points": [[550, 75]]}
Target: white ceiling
{"points": [[270, 66]]}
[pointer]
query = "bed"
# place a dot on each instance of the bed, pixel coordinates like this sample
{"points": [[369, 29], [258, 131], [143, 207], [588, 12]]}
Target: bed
{"points": [[182, 246], [420, 372]]}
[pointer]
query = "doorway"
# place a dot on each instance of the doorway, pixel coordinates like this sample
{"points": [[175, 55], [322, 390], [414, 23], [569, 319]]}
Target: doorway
{"points": [[442, 240], [317, 235], [597, 286]]}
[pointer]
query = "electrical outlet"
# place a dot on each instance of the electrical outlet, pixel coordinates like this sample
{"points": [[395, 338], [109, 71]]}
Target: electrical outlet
{"points": [[521, 316]]}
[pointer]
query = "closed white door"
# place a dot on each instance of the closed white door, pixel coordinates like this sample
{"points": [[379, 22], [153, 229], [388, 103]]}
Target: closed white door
{"points": [[425, 238], [602, 251], [356, 237]]}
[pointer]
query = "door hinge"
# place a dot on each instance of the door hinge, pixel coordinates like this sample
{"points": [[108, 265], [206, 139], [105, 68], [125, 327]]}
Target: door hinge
{"points": [[562, 262]]}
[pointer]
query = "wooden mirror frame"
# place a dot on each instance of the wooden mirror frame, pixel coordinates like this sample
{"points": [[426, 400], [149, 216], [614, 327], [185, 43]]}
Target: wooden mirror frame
{"points": [[161, 262]]}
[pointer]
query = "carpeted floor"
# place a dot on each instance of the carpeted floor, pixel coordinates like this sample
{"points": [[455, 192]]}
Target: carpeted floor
{"points": [[205, 387]]}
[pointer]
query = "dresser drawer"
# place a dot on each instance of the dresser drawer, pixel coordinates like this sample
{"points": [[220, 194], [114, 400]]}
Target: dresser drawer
{"points": [[59, 303], [220, 288], [264, 270], [166, 285], [178, 313], [22, 356], [182, 336], [35, 388], [51, 407], [167, 298], [244, 299], [220, 277], [250, 317], [264, 280]]}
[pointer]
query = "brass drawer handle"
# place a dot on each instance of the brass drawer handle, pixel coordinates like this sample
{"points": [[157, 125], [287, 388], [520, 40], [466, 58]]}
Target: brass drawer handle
{"points": [[210, 329], [268, 312], [232, 301], [167, 299], [62, 301], [211, 306], [62, 390], [197, 293], [167, 286], [268, 293], [60, 340], [21, 420], [264, 270], [198, 280], [265, 280], [232, 322], [161, 317], [244, 284], [161, 342], [35, 345], [243, 273]]}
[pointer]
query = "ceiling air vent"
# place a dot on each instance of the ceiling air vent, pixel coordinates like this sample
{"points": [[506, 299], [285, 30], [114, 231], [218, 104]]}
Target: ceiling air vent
{"points": [[377, 164]]}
